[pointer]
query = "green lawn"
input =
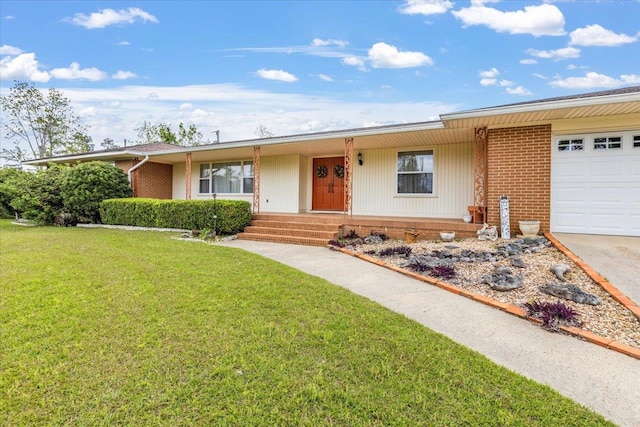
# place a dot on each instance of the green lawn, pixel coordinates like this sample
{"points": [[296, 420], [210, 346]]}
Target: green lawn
{"points": [[109, 327]]}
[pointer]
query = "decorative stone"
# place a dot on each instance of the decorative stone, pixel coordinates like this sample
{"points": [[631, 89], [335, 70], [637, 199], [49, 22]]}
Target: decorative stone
{"points": [[373, 240], [503, 279], [560, 270], [488, 232], [186, 235], [518, 262], [571, 293]]}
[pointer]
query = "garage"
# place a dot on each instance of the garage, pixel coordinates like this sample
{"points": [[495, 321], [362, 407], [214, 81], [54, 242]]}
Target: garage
{"points": [[595, 183]]}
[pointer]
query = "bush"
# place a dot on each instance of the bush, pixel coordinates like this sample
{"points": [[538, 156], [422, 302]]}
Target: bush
{"points": [[37, 194], [232, 215], [12, 180], [86, 185]]}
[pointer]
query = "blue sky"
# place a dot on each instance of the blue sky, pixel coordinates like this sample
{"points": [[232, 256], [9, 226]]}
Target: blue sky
{"points": [[309, 66]]}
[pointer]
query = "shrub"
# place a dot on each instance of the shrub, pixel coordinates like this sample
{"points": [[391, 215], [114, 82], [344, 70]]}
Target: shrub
{"points": [[232, 215], [38, 194], [86, 185], [11, 180]]}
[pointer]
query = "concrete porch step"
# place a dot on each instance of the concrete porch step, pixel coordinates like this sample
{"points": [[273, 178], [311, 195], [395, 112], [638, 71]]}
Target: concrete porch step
{"points": [[296, 240]]}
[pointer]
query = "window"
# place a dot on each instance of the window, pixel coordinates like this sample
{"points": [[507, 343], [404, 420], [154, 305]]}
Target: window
{"points": [[636, 141], [604, 143], [228, 177], [570, 144], [415, 172]]}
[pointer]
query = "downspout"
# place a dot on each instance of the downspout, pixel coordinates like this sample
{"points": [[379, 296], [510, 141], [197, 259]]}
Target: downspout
{"points": [[130, 173]]}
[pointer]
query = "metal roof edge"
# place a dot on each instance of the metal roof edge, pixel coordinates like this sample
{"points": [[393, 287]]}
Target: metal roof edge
{"points": [[83, 156]]}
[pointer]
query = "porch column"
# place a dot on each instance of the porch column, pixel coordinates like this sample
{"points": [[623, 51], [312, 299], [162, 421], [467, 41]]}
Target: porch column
{"points": [[480, 175], [256, 180], [188, 176], [348, 175]]}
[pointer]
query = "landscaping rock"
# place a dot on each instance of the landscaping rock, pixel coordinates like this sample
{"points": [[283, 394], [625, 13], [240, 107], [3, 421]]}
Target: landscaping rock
{"points": [[560, 270], [571, 293], [518, 262], [373, 240], [503, 279], [488, 233]]}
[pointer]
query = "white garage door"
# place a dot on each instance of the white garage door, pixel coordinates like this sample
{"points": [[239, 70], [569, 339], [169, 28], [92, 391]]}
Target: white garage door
{"points": [[595, 184]]}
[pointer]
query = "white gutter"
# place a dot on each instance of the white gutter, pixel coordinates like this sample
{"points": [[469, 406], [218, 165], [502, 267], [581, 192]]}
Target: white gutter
{"points": [[146, 158]]}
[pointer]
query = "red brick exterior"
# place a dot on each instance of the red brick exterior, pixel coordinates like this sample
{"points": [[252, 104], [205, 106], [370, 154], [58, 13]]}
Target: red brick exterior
{"points": [[519, 166], [151, 180]]}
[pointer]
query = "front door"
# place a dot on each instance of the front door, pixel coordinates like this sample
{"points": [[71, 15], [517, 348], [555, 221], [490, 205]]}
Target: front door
{"points": [[328, 184]]}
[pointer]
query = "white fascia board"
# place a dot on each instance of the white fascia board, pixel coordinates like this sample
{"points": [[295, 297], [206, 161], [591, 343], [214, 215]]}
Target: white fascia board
{"points": [[85, 157], [549, 105]]}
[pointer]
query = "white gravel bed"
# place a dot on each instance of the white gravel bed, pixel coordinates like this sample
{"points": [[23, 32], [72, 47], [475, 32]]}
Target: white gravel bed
{"points": [[609, 319]]}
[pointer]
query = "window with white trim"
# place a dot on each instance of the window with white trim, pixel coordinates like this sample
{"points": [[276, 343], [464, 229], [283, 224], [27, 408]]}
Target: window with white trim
{"points": [[415, 172], [571, 144], [607, 142], [636, 141], [228, 177]]}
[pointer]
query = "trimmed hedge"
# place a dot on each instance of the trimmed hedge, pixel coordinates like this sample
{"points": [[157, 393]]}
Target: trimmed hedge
{"points": [[233, 215]]}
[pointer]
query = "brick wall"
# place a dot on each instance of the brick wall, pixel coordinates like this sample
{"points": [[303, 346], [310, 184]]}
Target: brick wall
{"points": [[519, 166], [152, 180]]}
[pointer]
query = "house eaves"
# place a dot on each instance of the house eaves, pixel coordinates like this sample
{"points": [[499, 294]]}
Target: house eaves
{"points": [[607, 103]]}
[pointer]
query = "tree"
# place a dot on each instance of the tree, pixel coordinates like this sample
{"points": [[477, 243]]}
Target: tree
{"points": [[149, 133], [40, 125], [263, 132], [108, 144]]}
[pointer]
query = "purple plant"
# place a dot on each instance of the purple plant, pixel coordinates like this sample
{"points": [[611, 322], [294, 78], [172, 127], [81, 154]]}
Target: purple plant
{"points": [[397, 250], [337, 243], [443, 272], [552, 314], [351, 235], [383, 236]]}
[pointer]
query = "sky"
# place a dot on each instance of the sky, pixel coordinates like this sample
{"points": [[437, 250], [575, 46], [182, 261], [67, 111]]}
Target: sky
{"points": [[310, 66]]}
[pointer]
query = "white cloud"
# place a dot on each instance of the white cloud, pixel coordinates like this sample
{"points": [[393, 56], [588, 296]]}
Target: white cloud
{"points": [[506, 83], [539, 76], [595, 80], [74, 72], [354, 61], [555, 54], [382, 55], [123, 43], [528, 61], [22, 67], [279, 75], [493, 72], [596, 35], [186, 106], [519, 91], [5, 49], [541, 20], [9, 17], [123, 75], [107, 17], [425, 7], [325, 77], [329, 42], [88, 112]]}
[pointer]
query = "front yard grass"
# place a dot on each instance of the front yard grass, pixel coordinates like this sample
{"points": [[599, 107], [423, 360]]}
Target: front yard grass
{"points": [[110, 327]]}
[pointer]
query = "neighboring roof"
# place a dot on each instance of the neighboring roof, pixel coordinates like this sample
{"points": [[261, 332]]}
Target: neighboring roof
{"points": [[452, 127]]}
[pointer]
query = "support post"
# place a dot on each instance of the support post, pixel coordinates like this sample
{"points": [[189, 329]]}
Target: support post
{"points": [[188, 177], [479, 209], [348, 176], [256, 180]]}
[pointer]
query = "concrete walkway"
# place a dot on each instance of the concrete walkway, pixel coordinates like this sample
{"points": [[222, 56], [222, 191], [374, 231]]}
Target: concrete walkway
{"points": [[603, 380], [617, 258]]}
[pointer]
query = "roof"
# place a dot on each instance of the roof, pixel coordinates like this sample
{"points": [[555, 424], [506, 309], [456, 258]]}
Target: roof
{"points": [[452, 127]]}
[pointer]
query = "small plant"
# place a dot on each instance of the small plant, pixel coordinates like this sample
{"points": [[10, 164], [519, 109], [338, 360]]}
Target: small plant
{"points": [[552, 314], [370, 252], [396, 250], [351, 235], [337, 243], [443, 272], [383, 236]]}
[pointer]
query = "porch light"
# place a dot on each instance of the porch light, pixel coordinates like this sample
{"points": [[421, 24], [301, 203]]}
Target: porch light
{"points": [[360, 159]]}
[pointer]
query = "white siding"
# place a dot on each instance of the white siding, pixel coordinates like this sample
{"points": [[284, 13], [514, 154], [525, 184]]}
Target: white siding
{"points": [[280, 183], [179, 185], [374, 184]]}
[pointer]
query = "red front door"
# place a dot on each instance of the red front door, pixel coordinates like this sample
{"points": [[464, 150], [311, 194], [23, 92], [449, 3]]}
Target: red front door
{"points": [[328, 184]]}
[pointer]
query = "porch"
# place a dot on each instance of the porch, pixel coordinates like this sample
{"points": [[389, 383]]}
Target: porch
{"points": [[317, 229]]}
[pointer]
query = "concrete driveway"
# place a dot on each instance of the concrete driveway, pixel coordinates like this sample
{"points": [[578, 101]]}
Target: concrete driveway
{"points": [[616, 258]]}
